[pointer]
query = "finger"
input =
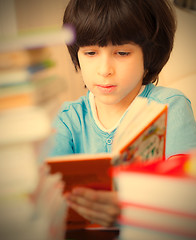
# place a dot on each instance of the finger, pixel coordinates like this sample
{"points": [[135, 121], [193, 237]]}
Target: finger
{"points": [[97, 217], [94, 211], [94, 206], [110, 208], [96, 195]]}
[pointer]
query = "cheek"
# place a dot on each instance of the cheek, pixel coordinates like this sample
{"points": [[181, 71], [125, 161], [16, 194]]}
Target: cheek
{"points": [[132, 74], [86, 76], [133, 69], [87, 71]]}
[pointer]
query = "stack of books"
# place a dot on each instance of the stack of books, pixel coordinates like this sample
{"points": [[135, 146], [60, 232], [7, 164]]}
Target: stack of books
{"points": [[29, 73], [158, 199], [32, 205]]}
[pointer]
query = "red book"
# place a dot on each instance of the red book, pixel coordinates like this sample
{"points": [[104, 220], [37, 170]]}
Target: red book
{"points": [[159, 195]]}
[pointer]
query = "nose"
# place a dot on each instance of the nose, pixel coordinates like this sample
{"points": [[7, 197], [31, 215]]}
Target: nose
{"points": [[105, 68]]}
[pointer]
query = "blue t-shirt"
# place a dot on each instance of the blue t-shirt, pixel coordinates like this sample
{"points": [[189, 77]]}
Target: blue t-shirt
{"points": [[77, 131]]}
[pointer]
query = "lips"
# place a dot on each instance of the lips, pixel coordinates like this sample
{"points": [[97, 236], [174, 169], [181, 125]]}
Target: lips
{"points": [[106, 88]]}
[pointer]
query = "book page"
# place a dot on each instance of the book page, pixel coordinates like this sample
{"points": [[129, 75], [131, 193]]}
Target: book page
{"points": [[79, 157], [143, 135]]}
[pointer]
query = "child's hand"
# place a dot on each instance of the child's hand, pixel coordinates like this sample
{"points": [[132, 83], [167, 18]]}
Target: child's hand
{"points": [[99, 207]]}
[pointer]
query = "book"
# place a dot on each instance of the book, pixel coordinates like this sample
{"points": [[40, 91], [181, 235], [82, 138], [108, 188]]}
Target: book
{"points": [[89, 171], [32, 93], [162, 220], [159, 197], [35, 84], [33, 121], [141, 134], [139, 233], [140, 137], [37, 38], [177, 191]]}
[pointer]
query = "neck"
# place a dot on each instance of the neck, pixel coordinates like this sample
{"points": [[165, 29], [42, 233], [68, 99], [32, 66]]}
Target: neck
{"points": [[109, 115]]}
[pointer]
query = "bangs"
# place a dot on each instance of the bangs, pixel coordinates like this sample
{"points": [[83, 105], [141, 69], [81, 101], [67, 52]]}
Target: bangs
{"points": [[104, 22]]}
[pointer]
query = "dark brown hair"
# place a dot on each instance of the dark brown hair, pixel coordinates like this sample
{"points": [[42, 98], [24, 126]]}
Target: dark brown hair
{"points": [[148, 23]]}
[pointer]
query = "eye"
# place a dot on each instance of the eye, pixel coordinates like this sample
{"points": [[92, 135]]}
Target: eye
{"points": [[90, 53], [123, 53]]}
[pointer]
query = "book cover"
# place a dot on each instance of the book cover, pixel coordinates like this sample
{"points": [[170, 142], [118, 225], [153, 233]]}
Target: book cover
{"points": [[90, 171]]}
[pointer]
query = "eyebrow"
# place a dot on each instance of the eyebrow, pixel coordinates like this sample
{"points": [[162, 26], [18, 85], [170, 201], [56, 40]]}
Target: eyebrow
{"points": [[115, 45]]}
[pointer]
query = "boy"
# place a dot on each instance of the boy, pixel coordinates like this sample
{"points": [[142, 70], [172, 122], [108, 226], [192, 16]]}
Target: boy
{"points": [[121, 46]]}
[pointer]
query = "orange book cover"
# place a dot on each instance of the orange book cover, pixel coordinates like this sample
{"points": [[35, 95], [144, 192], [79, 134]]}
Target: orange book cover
{"points": [[89, 170]]}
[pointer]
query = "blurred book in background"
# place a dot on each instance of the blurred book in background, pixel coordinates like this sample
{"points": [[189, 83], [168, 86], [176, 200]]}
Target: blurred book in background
{"points": [[32, 205], [28, 71]]}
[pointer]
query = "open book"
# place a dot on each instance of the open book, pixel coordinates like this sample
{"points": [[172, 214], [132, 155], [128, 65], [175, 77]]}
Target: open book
{"points": [[139, 137]]}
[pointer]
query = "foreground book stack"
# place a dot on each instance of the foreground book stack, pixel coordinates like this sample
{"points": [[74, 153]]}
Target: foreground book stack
{"points": [[32, 205], [158, 199], [140, 137], [31, 201]]}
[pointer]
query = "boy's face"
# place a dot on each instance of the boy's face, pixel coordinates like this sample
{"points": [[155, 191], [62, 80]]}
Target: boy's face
{"points": [[113, 73]]}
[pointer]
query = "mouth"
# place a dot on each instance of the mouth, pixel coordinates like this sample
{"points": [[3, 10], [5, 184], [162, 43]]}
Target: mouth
{"points": [[106, 88]]}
